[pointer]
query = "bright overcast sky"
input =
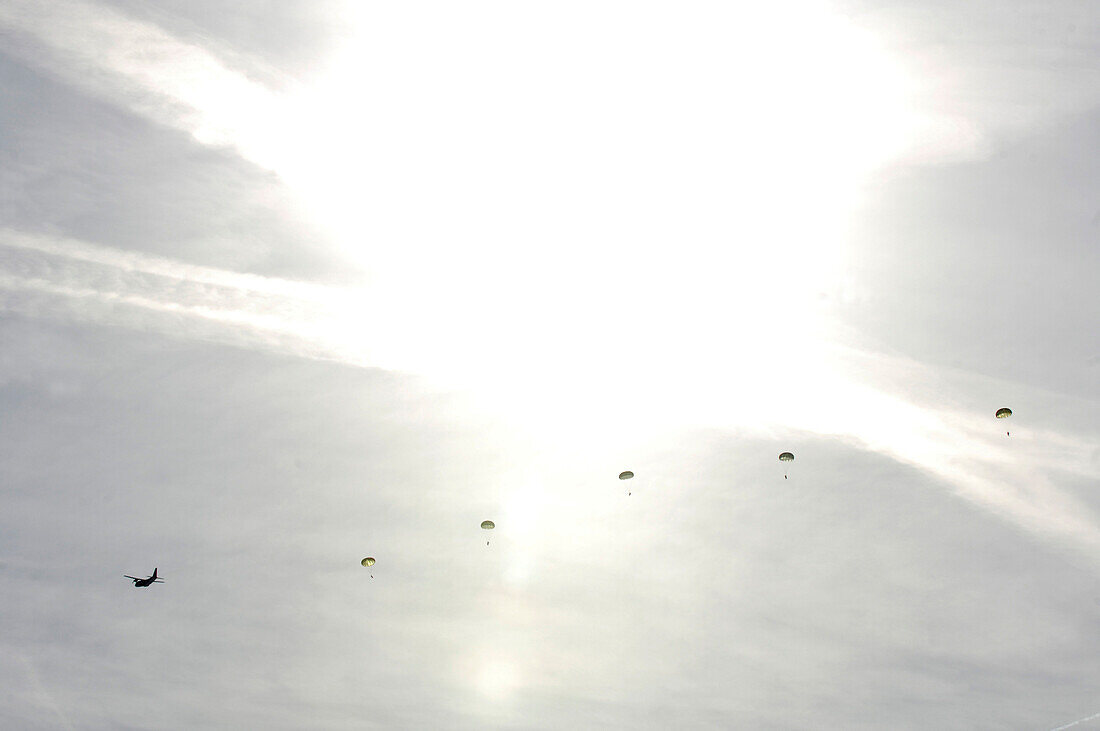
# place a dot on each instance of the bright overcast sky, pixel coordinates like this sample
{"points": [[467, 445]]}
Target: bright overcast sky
{"points": [[284, 285]]}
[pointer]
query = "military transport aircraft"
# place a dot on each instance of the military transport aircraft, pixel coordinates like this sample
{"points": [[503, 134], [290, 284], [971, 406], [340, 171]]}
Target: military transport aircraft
{"points": [[145, 582]]}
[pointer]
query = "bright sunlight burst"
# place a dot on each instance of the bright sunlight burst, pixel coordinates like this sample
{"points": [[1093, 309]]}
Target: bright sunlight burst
{"points": [[555, 226]]}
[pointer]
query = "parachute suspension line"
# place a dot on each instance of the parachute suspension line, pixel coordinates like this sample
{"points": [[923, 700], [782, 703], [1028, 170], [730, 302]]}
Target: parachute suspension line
{"points": [[626, 475], [786, 457]]}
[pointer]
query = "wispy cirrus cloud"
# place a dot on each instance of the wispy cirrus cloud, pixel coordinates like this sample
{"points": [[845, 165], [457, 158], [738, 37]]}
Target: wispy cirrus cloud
{"points": [[55, 277], [147, 70], [852, 393], [627, 253], [536, 374]]}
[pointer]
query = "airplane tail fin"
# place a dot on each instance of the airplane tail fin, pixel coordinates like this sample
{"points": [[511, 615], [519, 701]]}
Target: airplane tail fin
{"points": [[154, 573]]}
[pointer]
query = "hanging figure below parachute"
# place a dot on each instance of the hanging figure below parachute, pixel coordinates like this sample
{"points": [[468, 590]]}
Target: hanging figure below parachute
{"points": [[1004, 413], [786, 457], [487, 525], [626, 476]]}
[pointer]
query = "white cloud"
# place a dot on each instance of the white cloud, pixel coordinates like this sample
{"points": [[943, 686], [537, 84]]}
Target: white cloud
{"points": [[846, 392], [145, 69], [556, 221]]}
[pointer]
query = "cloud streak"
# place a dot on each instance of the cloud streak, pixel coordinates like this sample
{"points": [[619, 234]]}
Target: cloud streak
{"points": [[1078, 721], [631, 255], [849, 392], [147, 70], [242, 308]]}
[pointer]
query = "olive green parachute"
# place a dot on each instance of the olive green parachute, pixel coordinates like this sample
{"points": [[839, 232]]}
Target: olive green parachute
{"points": [[488, 525], [368, 561], [786, 457], [626, 475], [1003, 413]]}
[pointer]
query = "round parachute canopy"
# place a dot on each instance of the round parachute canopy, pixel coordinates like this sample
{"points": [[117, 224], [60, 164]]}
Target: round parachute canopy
{"points": [[1003, 413], [626, 475], [488, 525], [368, 561], [786, 457]]}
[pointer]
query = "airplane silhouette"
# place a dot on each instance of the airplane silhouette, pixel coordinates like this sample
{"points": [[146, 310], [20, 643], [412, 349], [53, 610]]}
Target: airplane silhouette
{"points": [[145, 582]]}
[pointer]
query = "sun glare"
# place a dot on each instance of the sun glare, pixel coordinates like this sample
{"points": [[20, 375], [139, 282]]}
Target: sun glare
{"points": [[554, 224]]}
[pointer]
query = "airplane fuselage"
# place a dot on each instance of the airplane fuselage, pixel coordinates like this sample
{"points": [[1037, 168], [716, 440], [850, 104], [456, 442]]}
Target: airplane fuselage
{"points": [[146, 582]]}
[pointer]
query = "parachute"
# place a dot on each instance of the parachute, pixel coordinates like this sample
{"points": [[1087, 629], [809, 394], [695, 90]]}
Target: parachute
{"points": [[487, 525], [368, 562], [626, 476], [1003, 413], [786, 457]]}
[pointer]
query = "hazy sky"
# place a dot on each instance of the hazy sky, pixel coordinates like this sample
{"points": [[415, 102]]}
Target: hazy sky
{"points": [[283, 285]]}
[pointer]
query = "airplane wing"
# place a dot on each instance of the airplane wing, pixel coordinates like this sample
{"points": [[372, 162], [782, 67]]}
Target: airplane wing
{"points": [[158, 581], [132, 577]]}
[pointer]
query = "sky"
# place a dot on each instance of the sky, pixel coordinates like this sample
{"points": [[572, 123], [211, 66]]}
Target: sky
{"points": [[285, 285]]}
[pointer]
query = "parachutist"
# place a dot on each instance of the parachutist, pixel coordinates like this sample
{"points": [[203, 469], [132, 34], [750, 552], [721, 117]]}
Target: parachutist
{"points": [[786, 457]]}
